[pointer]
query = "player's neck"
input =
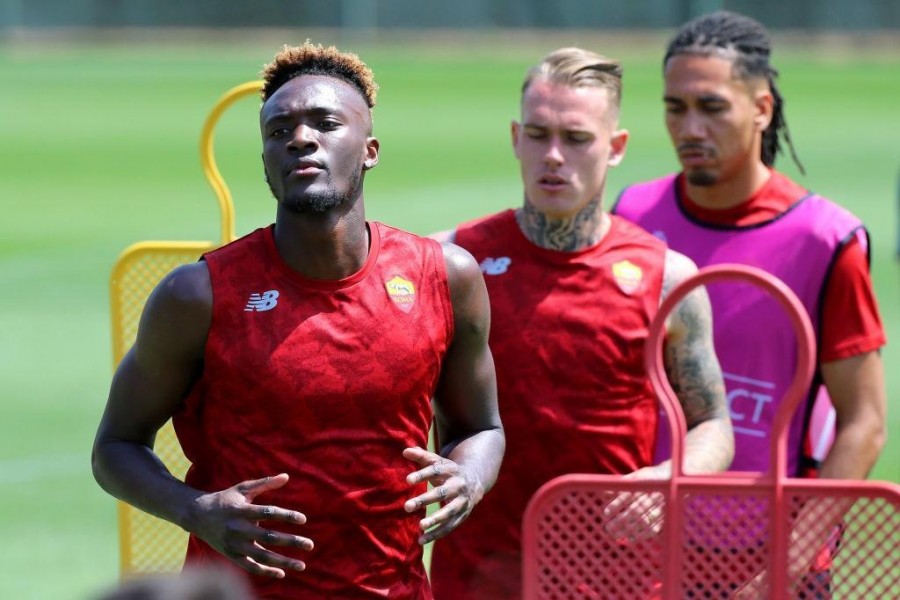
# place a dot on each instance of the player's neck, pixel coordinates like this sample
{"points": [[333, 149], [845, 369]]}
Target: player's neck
{"points": [[567, 234], [327, 246], [730, 192]]}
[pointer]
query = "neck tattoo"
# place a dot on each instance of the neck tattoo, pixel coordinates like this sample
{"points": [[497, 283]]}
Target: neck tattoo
{"points": [[569, 234]]}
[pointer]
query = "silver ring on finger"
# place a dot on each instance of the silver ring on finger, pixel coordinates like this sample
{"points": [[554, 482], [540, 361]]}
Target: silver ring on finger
{"points": [[442, 492], [270, 537], [436, 467], [268, 511]]}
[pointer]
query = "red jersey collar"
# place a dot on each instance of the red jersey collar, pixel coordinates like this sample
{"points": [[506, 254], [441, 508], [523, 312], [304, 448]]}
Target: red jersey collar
{"points": [[326, 284], [775, 196]]}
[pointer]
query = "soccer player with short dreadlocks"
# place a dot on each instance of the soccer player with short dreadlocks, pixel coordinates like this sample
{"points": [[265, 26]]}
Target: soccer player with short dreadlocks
{"points": [[300, 365], [725, 116]]}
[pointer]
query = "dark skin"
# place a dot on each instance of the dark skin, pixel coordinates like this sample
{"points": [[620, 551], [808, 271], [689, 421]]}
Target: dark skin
{"points": [[317, 146]]}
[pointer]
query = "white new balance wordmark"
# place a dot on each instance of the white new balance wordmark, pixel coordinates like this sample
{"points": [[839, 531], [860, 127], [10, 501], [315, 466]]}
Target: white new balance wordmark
{"points": [[495, 266], [262, 302]]}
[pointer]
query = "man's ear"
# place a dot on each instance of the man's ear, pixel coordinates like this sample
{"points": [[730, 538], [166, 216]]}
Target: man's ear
{"points": [[514, 128], [617, 143], [372, 147], [764, 105]]}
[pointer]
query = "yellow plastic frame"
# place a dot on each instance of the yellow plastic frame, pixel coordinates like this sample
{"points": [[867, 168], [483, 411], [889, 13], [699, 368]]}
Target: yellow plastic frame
{"points": [[136, 272]]}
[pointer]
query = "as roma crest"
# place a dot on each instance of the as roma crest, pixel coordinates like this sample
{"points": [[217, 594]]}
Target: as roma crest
{"points": [[402, 292], [628, 276]]}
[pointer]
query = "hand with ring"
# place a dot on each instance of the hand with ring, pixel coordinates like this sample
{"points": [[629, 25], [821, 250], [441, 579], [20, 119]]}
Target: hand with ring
{"points": [[452, 487]]}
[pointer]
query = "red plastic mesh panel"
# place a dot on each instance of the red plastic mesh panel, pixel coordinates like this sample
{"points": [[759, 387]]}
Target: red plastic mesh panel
{"points": [[842, 540], [577, 556], [860, 534], [723, 540]]}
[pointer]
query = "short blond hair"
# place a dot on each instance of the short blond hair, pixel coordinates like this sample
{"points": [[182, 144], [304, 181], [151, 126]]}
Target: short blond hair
{"points": [[577, 67], [315, 59]]}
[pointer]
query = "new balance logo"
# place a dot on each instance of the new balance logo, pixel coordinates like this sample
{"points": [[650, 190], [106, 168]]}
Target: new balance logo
{"points": [[495, 266], [262, 302]]}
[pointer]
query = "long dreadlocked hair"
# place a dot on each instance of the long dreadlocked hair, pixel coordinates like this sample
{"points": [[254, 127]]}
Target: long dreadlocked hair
{"points": [[746, 42]]}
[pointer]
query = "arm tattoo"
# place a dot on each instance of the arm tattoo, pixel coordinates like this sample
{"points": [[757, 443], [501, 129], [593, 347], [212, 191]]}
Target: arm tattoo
{"points": [[694, 373], [566, 235], [692, 366]]}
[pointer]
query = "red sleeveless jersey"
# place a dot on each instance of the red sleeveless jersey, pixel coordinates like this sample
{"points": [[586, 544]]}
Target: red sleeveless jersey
{"points": [[567, 335], [327, 381]]}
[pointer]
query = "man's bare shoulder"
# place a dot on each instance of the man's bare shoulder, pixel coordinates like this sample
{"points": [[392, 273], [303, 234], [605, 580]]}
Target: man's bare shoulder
{"points": [[677, 269], [460, 263], [176, 319], [468, 293], [188, 284]]}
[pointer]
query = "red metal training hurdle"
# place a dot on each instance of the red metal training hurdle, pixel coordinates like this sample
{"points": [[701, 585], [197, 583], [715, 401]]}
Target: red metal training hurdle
{"points": [[743, 535]]}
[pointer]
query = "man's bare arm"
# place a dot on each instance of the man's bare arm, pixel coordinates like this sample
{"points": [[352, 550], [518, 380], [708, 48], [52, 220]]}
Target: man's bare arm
{"points": [[148, 386], [856, 388], [694, 373], [466, 414]]}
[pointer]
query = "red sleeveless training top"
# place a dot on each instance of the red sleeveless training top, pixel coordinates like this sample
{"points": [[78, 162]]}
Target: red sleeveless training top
{"points": [[567, 335], [327, 381]]}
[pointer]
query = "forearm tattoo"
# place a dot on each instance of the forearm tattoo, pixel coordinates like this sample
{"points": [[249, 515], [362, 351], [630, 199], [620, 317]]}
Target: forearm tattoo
{"points": [[693, 369]]}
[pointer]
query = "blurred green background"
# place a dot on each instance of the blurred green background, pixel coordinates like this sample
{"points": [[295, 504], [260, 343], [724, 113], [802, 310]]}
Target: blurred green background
{"points": [[99, 150]]}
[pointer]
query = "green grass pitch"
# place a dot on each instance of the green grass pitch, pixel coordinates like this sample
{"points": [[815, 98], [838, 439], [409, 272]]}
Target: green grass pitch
{"points": [[99, 150]]}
